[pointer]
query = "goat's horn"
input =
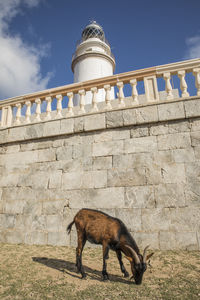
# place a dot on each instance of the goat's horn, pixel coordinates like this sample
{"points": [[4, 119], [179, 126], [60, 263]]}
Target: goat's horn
{"points": [[145, 254], [137, 260]]}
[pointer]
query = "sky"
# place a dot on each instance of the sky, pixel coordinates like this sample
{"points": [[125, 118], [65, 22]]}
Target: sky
{"points": [[38, 37]]}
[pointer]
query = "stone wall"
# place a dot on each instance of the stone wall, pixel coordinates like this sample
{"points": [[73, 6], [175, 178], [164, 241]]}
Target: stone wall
{"points": [[139, 164]]}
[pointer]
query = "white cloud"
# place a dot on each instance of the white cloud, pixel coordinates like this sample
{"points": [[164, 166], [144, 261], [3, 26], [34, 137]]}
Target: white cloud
{"points": [[20, 70], [193, 47]]}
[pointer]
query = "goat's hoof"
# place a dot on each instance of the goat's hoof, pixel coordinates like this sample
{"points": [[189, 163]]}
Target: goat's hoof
{"points": [[105, 277], [83, 276], [126, 274]]}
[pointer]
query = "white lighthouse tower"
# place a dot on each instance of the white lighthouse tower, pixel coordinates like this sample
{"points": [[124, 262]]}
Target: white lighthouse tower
{"points": [[92, 59]]}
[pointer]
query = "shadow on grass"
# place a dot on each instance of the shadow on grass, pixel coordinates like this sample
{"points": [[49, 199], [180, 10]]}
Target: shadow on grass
{"points": [[70, 268]]}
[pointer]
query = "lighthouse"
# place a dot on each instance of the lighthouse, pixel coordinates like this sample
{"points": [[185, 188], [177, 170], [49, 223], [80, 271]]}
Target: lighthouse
{"points": [[92, 59]]}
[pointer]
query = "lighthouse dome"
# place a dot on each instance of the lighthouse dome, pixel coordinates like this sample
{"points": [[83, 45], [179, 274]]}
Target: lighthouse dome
{"points": [[93, 30]]}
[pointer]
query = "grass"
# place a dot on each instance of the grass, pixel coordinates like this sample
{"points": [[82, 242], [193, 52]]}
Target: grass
{"points": [[46, 272]]}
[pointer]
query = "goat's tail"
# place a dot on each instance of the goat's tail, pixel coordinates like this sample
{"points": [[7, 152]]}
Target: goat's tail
{"points": [[69, 227]]}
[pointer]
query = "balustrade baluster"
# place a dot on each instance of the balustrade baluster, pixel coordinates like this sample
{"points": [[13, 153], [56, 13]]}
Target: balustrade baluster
{"points": [[70, 105], [183, 84], [82, 101], [94, 91], [133, 83], [196, 73], [59, 107], [168, 87], [18, 114], [28, 112], [107, 97], [38, 110], [48, 110], [120, 86]]}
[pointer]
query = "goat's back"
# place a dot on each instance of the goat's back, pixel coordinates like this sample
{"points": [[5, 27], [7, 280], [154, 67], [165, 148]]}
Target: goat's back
{"points": [[97, 226]]}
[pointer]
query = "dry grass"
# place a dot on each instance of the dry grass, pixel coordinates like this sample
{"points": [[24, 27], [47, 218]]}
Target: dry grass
{"points": [[46, 272]]}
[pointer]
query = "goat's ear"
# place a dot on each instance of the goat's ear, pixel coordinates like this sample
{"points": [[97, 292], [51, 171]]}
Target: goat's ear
{"points": [[150, 255], [129, 258]]}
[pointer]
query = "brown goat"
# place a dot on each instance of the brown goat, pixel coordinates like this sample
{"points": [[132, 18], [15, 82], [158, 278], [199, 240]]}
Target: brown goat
{"points": [[100, 228]]}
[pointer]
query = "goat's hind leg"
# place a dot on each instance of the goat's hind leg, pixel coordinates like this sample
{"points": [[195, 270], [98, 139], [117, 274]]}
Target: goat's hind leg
{"points": [[79, 250], [119, 256]]}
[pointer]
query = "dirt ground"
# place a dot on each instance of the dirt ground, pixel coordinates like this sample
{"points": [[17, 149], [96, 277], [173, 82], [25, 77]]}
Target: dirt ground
{"points": [[47, 272]]}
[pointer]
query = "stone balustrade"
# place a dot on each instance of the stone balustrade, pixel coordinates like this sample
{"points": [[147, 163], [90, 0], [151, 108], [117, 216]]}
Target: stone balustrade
{"points": [[38, 107]]}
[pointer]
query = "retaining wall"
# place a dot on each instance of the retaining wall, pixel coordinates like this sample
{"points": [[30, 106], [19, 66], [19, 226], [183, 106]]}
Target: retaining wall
{"points": [[139, 164]]}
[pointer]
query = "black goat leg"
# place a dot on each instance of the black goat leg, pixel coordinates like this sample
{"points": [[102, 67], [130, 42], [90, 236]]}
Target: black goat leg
{"points": [[105, 257], [119, 256]]}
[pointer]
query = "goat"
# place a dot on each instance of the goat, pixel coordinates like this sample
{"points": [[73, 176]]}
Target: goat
{"points": [[100, 228]]}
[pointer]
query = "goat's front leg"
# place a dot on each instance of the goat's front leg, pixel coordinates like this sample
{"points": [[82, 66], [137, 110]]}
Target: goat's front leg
{"points": [[79, 250], [105, 257], [119, 256]]}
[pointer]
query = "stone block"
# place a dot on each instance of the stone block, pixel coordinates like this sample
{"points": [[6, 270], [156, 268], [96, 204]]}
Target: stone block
{"points": [[106, 198], [82, 150], [16, 134], [55, 207], [107, 148], [186, 241], [139, 132], [167, 240], [171, 111], [197, 152], [169, 195], [103, 136], [54, 223], [14, 237], [131, 218], [179, 126], [146, 114], [174, 141], [78, 124], [94, 179], [156, 219], [34, 131], [142, 144], [55, 179], [192, 193], [37, 238], [12, 148], [185, 219], [38, 222], [67, 126], [23, 222], [7, 221], [139, 197], [51, 128], [11, 207], [72, 180], [147, 238], [132, 177], [94, 122], [195, 138], [183, 155], [195, 124], [192, 171], [32, 208], [114, 119], [129, 116], [58, 239], [13, 194], [36, 180], [72, 165], [120, 134], [173, 173], [46, 155], [192, 108], [132, 160], [159, 129], [64, 153], [4, 136], [102, 163]]}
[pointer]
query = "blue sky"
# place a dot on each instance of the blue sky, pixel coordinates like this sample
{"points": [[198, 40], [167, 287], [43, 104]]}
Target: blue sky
{"points": [[38, 37]]}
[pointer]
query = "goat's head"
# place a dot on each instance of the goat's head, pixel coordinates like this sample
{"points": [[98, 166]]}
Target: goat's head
{"points": [[138, 263]]}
